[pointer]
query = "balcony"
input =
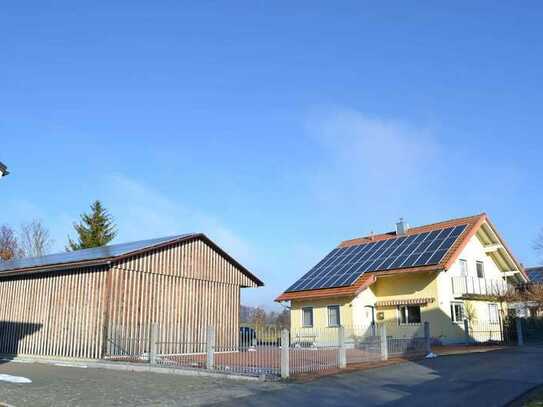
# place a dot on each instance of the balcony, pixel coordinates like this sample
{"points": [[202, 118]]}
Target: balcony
{"points": [[465, 285]]}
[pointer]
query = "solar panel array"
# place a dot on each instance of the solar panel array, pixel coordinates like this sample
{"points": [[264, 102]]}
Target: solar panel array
{"points": [[535, 274], [94, 253], [343, 266]]}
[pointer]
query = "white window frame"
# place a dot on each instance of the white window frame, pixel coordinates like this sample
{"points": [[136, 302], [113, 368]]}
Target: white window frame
{"points": [[466, 268], [406, 306], [312, 317], [482, 263], [490, 320], [338, 315], [453, 312]]}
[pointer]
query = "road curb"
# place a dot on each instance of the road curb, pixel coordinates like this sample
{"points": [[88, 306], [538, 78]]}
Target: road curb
{"points": [[131, 367]]}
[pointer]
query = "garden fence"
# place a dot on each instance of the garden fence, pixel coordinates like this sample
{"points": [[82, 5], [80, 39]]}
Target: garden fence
{"points": [[273, 352]]}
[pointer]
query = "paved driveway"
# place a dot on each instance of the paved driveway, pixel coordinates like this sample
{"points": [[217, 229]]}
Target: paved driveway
{"points": [[484, 379], [477, 379]]}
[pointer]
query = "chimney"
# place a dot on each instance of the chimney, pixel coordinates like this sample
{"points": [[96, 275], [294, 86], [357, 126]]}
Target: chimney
{"points": [[401, 227]]}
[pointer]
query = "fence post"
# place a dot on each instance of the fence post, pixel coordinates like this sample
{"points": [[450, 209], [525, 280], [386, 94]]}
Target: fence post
{"points": [[520, 336], [466, 332], [210, 347], [342, 353], [285, 345], [153, 343], [384, 343], [427, 338]]}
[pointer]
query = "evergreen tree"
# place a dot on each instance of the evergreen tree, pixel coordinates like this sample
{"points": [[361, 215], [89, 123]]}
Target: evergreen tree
{"points": [[95, 229]]}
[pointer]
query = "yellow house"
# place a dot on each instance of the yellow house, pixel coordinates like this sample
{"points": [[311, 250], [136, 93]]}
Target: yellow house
{"points": [[442, 273]]}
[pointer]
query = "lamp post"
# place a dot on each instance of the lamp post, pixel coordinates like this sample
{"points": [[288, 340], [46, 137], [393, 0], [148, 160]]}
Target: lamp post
{"points": [[3, 170]]}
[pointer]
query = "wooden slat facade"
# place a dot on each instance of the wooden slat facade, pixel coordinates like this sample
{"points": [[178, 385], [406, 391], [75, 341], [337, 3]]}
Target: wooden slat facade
{"points": [[53, 314], [90, 313]]}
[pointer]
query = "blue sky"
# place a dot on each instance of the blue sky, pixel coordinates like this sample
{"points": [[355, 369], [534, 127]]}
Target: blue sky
{"points": [[278, 129]]}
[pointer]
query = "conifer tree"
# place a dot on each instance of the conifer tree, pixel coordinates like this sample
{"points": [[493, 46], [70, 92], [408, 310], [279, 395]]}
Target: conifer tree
{"points": [[95, 229]]}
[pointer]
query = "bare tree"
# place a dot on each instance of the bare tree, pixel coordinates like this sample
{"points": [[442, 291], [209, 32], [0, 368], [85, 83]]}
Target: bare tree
{"points": [[259, 316], [283, 319], [533, 295], [9, 245], [35, 239]]}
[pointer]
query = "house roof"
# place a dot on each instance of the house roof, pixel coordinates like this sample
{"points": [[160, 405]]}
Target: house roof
{"points": [[535, 274], [105, 255], [472, 223]]}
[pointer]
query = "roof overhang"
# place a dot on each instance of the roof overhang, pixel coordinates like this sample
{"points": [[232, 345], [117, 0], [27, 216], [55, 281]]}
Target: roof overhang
{"points": [[56, 267], [349, 291], [497, 249]]}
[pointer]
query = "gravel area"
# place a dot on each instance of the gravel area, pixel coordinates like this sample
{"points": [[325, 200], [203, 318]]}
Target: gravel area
{"points": [[73, 386]]}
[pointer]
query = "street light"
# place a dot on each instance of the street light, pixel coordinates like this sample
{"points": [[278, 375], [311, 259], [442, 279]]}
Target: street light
{"points": [[3, 170]]}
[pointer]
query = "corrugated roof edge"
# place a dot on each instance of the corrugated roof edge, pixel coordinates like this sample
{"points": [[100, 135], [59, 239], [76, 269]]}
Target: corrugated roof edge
{"points": [[108, 260]]}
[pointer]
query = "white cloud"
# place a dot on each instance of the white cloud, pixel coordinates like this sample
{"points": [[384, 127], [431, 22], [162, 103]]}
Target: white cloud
{"points": [[142, 212], [371, 166], [373, 147]]}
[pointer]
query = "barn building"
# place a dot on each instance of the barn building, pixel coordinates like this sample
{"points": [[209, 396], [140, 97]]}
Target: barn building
{"points": [[77, 304]]}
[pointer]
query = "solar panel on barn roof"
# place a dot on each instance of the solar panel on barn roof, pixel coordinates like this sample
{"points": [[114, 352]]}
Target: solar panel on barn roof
{"points": [[344, 265], [94, 253]]}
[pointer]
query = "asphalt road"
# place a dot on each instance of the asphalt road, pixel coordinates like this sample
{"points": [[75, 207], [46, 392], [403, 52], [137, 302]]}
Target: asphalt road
{"points": [[483, 379], [477, 379]]}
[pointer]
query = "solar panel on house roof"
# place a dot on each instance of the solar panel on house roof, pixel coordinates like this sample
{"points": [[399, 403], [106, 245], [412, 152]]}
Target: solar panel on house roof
{"points": [[344, 265], [535, 274], [95, 253]]}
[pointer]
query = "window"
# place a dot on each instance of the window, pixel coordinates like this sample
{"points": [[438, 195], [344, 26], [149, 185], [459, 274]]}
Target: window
{"points": [[333, 315], [480, 269], [463, 267], [457, 312], [307, 317], [493, 316], [409, 314]]}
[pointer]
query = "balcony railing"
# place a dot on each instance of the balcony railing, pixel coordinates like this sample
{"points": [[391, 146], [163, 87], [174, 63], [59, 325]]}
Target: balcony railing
{"points": [[465, 285]]}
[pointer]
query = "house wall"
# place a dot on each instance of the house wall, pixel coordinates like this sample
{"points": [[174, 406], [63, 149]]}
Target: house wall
{"points": [[53, 314], [452, 332], [320, 312]]}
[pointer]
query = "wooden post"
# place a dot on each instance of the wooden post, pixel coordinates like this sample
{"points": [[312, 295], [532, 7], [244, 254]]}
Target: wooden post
{"points": [[105, 317], [210, 347], [285, 345], [427, 338], [342, 353], [384, 343], [466, 332], [153, 343], [520, 336]]}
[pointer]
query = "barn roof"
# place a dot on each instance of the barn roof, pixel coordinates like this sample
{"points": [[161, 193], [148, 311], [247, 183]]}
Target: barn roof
{"points": [[106, 254]]}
